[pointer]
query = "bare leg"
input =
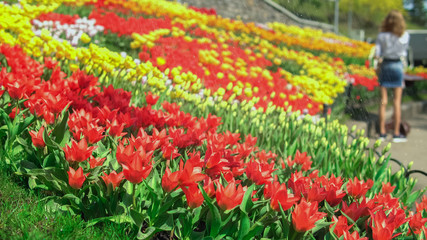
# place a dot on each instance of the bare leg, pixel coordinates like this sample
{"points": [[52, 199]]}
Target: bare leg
{"points": [[397, 101], [383, 106]]}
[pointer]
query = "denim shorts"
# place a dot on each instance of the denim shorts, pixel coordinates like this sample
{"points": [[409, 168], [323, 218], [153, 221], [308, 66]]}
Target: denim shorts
{"points": [[391, 74]]}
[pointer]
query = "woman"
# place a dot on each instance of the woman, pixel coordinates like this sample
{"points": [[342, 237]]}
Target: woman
{"points": [[391, 45]]}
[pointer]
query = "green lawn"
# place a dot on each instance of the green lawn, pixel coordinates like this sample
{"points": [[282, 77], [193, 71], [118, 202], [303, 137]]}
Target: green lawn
{"points": [[23, 216]]}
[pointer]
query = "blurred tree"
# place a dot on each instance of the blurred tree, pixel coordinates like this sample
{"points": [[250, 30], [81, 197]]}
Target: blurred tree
{"points": [[419, 13], [369, 12]]}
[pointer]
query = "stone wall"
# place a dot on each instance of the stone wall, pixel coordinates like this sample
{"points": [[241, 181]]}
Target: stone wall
{"points": [[247, 10]]}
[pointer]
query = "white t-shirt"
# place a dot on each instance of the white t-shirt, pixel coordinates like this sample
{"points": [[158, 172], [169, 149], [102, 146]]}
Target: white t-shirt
{"points": [[390, 46]]}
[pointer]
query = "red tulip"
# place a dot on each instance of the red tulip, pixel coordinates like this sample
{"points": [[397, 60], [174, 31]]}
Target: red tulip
{"points": [[37, 138], [334, 196], [353, 236], [125, 154], [151, 99], [78, 152], [96, 162], [49, 63], [138, 168], [417, 223], [229, 197], [355, 210], [15, 89], [316, 193], [303, 160], [383, 226], [194, 196], [305, 215], [383, 200], [169, 151], [116, 129], [271, 188], [422, 206], [215, 164], [340, 226], [84, 80], [387, 188], [333, 188], [251, 141], [300, 185], [56, 103], [208, 186], [358, 188], [93, 133], [113, 178], [14, 112], [260, 172], [190, 174], [281, 197], [76, 178], [170, 180]]}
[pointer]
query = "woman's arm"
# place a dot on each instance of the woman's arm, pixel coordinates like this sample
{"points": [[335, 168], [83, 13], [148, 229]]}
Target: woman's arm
{"points": [[378, 47]]}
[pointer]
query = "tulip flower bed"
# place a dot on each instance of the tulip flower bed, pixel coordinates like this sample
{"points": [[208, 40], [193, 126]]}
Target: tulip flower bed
{"points": [[81, 122], [229, 49], [168, 172]]}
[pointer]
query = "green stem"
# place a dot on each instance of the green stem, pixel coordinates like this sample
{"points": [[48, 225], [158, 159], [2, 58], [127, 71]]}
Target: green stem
{"points": [[260, 220], [133, 195], [294, 235]]}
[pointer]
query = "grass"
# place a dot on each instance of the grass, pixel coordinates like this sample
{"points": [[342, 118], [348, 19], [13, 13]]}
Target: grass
{"points": [[23, 216]]}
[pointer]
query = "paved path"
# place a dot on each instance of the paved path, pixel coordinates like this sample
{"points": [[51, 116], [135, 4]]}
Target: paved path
{"points": [[414, 150]]}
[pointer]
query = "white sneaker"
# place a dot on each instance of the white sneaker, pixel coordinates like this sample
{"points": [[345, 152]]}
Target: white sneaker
{"points": [[399, 138], [382, 137]]}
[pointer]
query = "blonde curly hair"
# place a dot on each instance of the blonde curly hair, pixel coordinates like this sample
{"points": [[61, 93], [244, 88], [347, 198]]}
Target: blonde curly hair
{"points": [[394, 23]]}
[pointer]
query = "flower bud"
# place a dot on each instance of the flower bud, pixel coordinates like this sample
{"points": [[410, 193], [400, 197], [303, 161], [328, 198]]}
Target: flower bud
{"points": [[377, 143], [410, 164], [337, 151], [381, 160], [344, 140], [372, 160], [398, 174], [402, 169], [324, 142], [347, 153], [412, 181], [386, 149]]}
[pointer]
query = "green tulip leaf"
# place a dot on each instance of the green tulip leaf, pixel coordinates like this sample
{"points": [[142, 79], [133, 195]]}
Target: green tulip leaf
{"points": [[245, 225], [320, 224], [59, 131], [214, 221], [137, 218], [247, 203]]}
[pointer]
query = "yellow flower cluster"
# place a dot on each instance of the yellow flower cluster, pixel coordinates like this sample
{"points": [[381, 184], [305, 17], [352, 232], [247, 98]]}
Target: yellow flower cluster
{"points": [[319, 79], [418, 70], [361, 70], [318, 40], [148, 39]]}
